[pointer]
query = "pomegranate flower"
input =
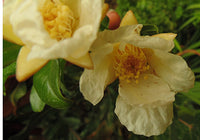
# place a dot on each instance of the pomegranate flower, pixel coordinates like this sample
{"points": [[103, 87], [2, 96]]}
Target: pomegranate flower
{"points": [[51, 29], [149, 77]]}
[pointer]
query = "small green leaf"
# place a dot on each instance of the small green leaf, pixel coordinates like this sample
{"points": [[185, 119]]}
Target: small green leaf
{"points": [[177, 45], [47, 85], [10, 52], [196, 126], [179, 12], [104, 23], [187, 23], [18, 93], [194, 6], [196, 70], [194, 93], [36, 103], [72, 122], [195, 45], [7, 71], [149, 29]]}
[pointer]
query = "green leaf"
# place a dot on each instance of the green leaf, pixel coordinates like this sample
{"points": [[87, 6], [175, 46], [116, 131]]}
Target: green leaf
{"points": [[194, 93], [10, 52], [7, 71], [179, 12], [194, 6], [187, 23], [47, 85], [104, 23], [195, 45], [72, 122], [177, 45], [196, 127], [194, 38], [36, 103], [149, 29], [18, 93], [196, 70]]}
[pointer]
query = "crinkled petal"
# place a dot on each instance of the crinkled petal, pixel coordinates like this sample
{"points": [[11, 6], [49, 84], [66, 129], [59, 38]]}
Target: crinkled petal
{"points": [[144, 120], [63, 48], [73, 4], [166, 36], [33, 33], [28, 24], [121, 34], [150, 90], [152, 42], [89, 25], [171, 68], [131, 35], [94, 82]]}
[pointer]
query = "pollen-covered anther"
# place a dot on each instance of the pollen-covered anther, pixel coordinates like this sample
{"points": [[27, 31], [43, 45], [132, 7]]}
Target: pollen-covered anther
{"points": [[129, 62], [58, 20]]}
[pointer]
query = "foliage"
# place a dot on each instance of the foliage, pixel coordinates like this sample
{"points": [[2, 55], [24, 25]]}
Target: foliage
{"points": [[46, 83], [10, 52], [168, 15]]}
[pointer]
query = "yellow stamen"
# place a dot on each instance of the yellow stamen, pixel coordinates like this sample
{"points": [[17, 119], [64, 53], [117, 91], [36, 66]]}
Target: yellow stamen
{"points": [[129, 63], [58, 19]]}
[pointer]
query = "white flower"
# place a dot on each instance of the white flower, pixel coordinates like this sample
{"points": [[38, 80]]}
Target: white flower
{"points": [[149, 77], [51, 29]]}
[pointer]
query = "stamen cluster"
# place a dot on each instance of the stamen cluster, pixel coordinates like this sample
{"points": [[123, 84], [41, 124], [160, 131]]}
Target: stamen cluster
{"points": [[129, 63], [58, 19]]}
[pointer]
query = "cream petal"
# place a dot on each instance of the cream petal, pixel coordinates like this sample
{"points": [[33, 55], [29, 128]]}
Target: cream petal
{"points": [[144, 120], [25, 69], [131, 35], [171, 68], [99, 50], [73, 46], [128, 19], [89, 23], [152, 42], [150, 90], [73, 4], [94, 82], [43, 46], [125, 33], [8, 34], [91, 13], [84, 61], [167, 36], [79, 44], [30, 30], [104, 10]]}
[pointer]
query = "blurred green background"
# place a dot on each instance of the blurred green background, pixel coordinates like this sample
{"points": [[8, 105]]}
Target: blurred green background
{"points": [[83, 121]]}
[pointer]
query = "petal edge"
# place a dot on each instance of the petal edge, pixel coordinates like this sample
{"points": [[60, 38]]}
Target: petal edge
{"points": [[145, 121]]}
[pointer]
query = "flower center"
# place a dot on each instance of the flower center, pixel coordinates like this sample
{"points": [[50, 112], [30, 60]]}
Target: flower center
{"points": [[129, 63], [58, 20]]}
